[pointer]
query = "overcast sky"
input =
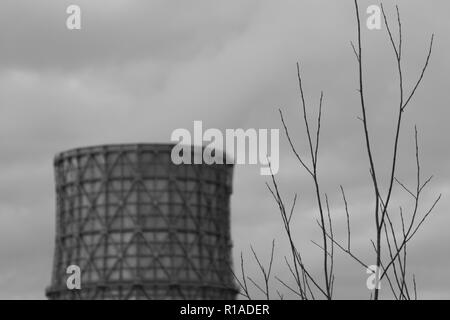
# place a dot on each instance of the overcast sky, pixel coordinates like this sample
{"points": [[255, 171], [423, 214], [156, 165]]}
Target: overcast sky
{"points": [[137, 70]]}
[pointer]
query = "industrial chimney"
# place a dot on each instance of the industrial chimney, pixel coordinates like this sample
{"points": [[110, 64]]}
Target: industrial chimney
{"points": [[140, 227]]}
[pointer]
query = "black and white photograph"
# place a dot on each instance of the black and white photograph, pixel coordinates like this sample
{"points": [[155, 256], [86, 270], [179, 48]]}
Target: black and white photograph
{"points": [[231, 151]]}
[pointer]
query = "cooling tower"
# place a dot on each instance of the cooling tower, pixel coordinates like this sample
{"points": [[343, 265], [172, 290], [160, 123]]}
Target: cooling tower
{"points": [[140, 227]]}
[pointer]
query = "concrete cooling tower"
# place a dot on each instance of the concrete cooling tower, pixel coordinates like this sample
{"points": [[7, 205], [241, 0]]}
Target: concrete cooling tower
{"points": [[140, 227]]}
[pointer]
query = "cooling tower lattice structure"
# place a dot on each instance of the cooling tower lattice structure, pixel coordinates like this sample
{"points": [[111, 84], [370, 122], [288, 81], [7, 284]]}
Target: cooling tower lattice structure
{"points": [[140, 227]]}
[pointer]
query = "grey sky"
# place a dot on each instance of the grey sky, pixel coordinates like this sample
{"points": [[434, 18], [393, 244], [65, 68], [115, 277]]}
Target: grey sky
{"points": [[140, 69]]}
